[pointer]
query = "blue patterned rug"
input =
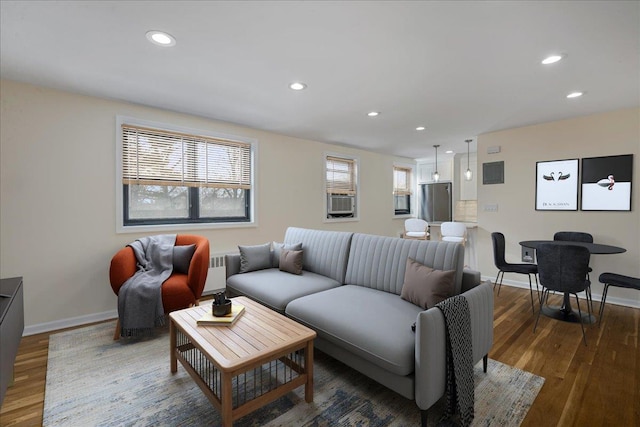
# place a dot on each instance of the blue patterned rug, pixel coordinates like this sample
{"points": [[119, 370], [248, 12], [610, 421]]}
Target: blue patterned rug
{"points": [[95, 381]]}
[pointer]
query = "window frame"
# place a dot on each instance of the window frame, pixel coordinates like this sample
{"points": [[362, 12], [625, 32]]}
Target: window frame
{"points": [[412, 186], [356, 191], [161, 225]]}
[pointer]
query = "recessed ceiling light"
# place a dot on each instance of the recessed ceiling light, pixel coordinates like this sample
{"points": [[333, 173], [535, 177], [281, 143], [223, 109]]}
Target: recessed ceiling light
{"points": [[297, 86], [420, 128], [448, 152], [161, 38], [373, 113], [575, 94], [552, 59]]}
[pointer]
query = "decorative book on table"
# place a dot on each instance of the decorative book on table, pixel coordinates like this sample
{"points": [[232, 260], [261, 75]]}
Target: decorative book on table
{"points": [[209, 319]]}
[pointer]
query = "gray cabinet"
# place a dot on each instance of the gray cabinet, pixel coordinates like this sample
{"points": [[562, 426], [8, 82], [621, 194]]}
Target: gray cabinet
{"points": [[11, 328]]}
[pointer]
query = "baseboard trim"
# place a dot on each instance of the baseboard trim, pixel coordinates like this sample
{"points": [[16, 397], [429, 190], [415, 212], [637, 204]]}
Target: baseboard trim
{"points": [[596, 297], [69, 323], [84, 320], [112, 314]]}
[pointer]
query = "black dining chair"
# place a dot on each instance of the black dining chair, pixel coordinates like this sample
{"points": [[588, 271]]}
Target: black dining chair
{"points": [[618, 280], [577, 236], [563, 268], [573, 236], [504, 267]]}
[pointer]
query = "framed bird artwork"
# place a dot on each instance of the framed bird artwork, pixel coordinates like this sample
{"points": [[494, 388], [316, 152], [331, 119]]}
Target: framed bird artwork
{"points": [[557, 185], [606, 183]]}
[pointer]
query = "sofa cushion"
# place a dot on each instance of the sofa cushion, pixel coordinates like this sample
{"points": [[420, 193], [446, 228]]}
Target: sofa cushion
{"points": [[325, 252], [275, 288], [176, 293], [254, 258], [182, 258], [291, 261], [379, 262], [278, 247], [371, 324], [424, 286]]}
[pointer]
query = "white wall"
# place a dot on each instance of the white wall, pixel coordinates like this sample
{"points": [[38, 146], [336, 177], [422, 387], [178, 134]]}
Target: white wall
{"points": [[612, 133], [57, 193]]}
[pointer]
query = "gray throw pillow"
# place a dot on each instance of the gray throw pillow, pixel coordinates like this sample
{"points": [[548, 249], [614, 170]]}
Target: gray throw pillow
{"points": [[278, 247], [291, 261], [425, 286], [256, 257], [182, 258]]}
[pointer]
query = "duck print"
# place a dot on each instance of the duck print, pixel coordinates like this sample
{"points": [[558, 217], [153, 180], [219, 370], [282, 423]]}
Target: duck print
{"points": [[608, 182]]}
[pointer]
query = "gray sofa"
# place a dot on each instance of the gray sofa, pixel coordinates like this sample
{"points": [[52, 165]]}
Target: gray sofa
{"points": [[349, 293]]}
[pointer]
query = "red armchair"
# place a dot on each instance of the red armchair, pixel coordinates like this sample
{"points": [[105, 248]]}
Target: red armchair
{"points": [[179, 290]]}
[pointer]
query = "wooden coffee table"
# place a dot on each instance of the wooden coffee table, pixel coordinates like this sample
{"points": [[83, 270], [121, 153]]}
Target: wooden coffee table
{"points": [[241, 368]]}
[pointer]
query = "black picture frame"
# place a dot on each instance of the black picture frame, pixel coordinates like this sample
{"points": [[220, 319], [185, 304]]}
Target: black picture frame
{"points": [[557, 185], [607, 183]]}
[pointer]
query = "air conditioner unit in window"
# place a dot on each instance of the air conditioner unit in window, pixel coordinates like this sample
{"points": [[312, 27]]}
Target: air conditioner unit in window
{"points": [[402, 204], [340, 204]]}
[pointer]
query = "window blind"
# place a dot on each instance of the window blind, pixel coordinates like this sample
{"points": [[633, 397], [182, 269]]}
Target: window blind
{"points": [[341, 175], [160, 157], [401, 181]]}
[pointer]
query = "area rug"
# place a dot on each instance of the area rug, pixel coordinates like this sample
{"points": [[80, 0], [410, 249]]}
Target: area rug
{"points": [[95, 381]]}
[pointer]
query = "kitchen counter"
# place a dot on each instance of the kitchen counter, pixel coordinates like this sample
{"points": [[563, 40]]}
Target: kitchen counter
{"points": [[467, 224]]}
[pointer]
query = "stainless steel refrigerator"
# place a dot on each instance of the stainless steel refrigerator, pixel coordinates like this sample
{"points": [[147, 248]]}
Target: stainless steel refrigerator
{"points": [[435, 202]]}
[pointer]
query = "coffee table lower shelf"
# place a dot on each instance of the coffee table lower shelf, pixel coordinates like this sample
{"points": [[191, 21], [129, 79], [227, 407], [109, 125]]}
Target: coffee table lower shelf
{"points": [[241, 387]]}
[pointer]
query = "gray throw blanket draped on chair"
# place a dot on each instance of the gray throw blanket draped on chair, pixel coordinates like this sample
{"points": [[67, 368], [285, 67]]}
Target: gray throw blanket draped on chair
{"points": [[459, 387], [140, 297]]}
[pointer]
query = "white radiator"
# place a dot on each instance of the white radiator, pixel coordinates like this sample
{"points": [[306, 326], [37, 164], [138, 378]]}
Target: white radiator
{"points": [[216, 280]]}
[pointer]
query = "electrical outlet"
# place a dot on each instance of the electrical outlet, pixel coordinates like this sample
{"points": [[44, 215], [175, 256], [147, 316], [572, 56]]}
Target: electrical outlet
{"points": [[528, 255]]}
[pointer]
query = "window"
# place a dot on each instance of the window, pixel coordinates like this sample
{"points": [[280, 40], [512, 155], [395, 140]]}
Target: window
{"points": [[176, 177], [341, 186], [402, 190]]}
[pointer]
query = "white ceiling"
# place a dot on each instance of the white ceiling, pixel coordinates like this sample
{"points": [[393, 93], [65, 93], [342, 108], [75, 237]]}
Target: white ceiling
{"points": [[459, 68]]}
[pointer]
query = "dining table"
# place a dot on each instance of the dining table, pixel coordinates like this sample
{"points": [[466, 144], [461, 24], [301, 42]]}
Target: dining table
{"points": [[566, 312]]}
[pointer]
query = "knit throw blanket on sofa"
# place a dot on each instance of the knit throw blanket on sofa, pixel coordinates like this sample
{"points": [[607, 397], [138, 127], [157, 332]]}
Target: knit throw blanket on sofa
{"points": [[140, 297], [459, 386]]}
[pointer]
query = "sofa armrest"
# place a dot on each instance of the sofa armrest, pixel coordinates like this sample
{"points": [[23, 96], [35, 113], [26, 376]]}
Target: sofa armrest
{"points": [[231, 264], [123, 266], [430, 358], [470, 279], [430, 350], [199, 265]]}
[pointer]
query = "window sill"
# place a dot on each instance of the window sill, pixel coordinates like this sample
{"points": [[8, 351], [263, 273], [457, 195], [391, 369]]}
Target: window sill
{"points": [[403, 216], [330, 220], [169, 228]]}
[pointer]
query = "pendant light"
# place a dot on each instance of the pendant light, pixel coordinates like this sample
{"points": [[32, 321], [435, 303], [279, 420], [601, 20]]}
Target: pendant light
{"points": [[436, 175], [468, 174]]}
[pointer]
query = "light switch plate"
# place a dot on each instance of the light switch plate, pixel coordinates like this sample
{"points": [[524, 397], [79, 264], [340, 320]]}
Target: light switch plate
{"points": [[491, 207]]}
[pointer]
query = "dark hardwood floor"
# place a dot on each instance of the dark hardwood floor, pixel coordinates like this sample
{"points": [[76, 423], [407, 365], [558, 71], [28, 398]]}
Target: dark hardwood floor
{"points": [[597, 385]]}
